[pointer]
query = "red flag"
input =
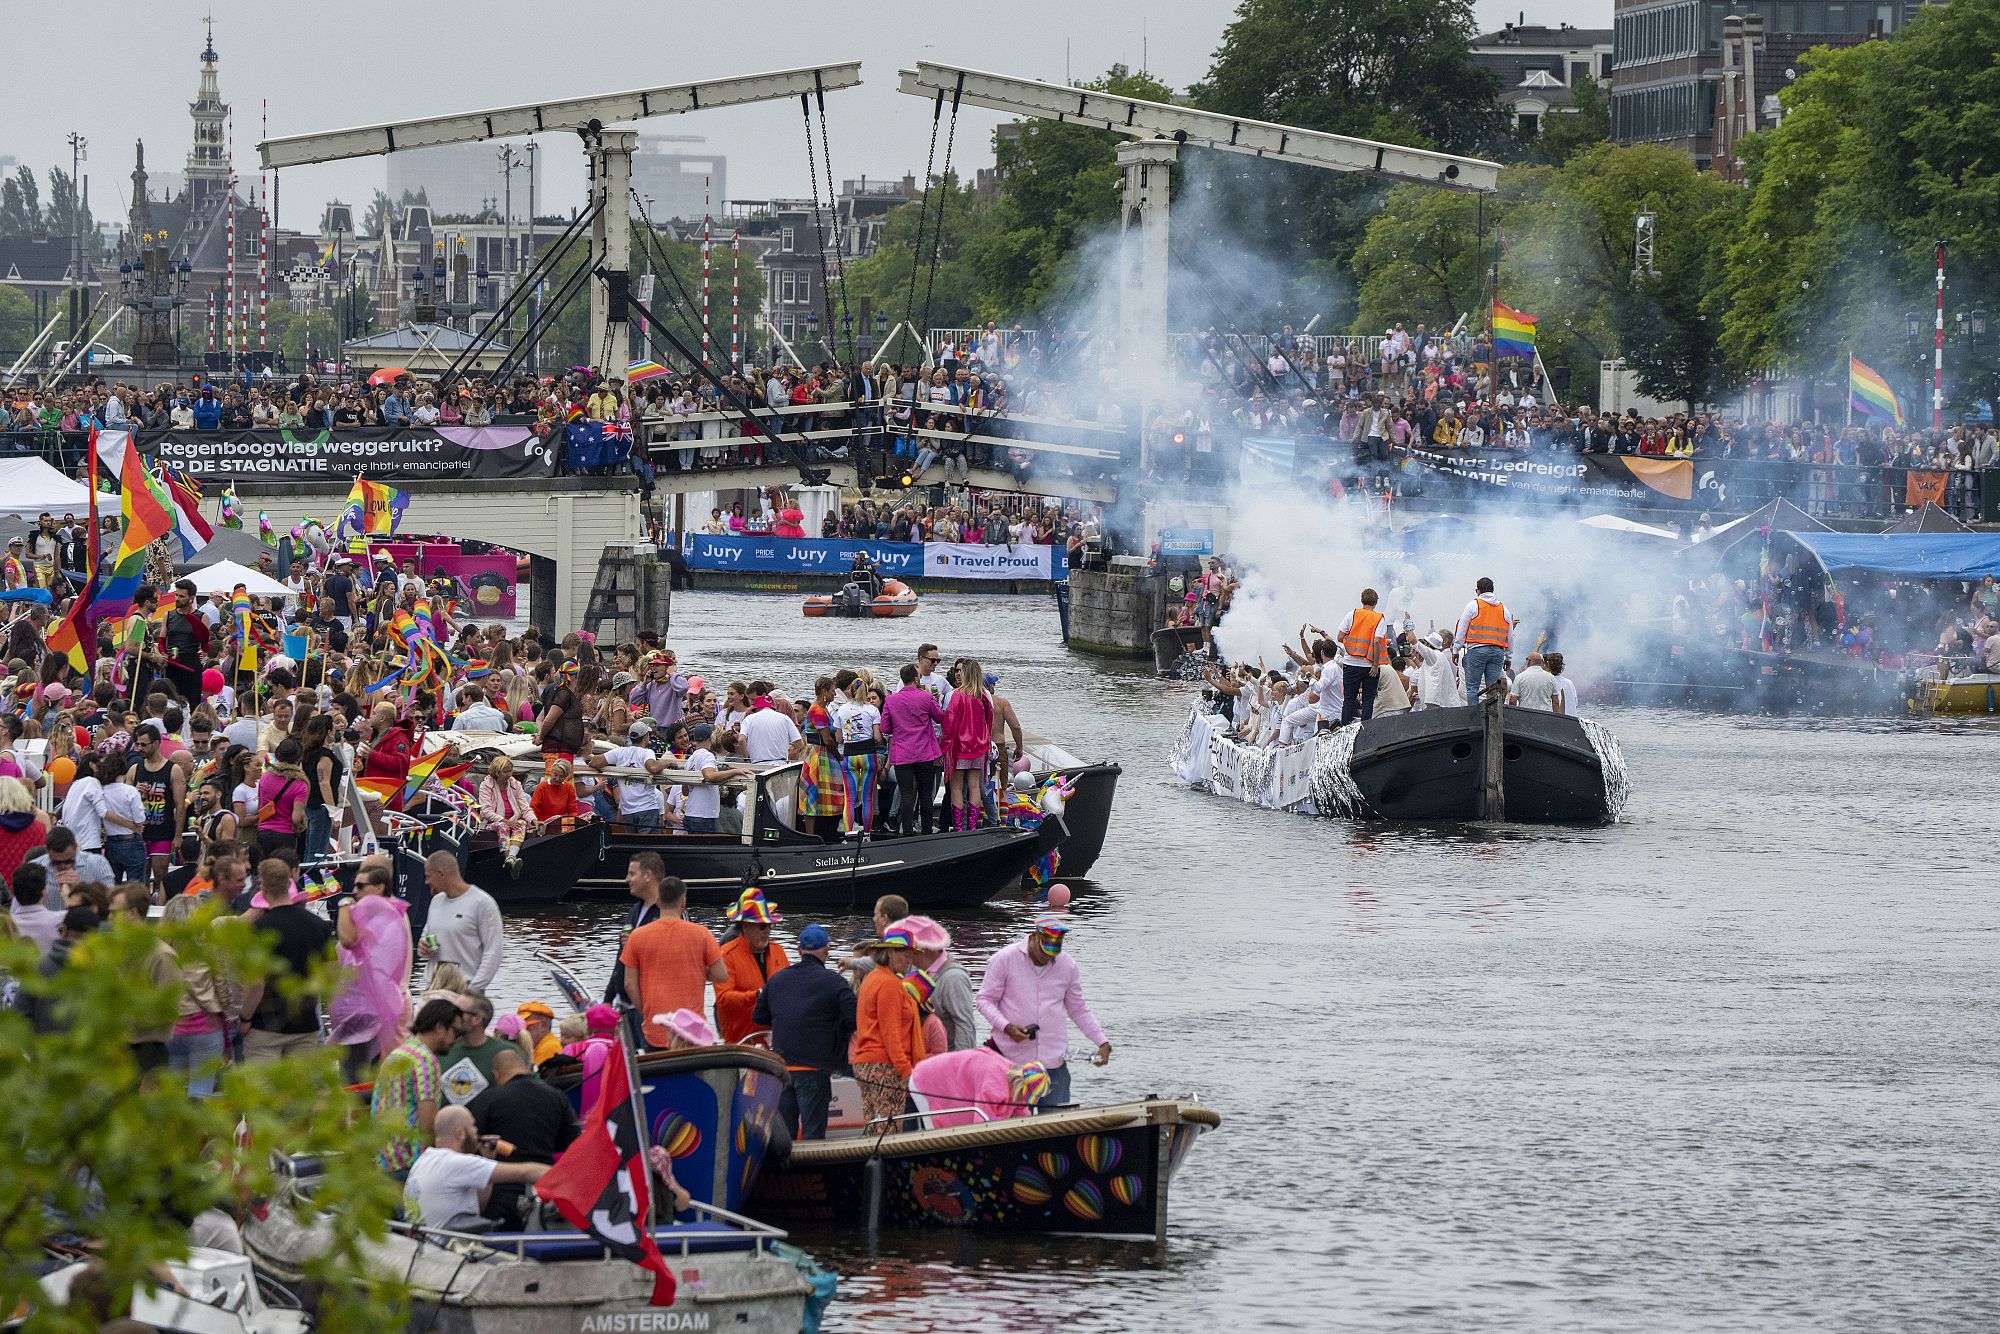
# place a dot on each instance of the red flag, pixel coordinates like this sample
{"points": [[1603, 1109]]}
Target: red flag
{"points": [[601, 1184]]}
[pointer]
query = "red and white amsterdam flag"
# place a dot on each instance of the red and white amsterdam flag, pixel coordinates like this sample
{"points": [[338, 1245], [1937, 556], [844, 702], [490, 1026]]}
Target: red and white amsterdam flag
{"points": [[600, 1184]]}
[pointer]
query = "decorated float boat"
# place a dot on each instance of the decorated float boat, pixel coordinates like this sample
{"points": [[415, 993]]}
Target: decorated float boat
{"points": [[1450, 764], [220, 1293], [1101, 1171]]}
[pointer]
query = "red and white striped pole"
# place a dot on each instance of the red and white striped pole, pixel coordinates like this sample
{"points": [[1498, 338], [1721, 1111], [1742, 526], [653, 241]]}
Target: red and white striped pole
{"points": [[211, 321], [1937, 367], [229, 245], [736, 301], [263, 253], [706, 205]]}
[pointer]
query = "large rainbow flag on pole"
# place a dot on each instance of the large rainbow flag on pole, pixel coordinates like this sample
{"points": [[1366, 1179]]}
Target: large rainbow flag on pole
{"points": [[372, 507], [1513, 333], [149, 516], [1870, 393]]}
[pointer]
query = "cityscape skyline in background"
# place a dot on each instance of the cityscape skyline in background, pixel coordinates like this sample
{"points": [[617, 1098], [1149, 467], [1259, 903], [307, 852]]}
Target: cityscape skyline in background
{"points": [[363, 71]]}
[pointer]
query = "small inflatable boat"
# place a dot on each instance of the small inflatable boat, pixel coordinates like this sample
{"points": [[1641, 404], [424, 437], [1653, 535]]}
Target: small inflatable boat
{"points": [[897, 599]]}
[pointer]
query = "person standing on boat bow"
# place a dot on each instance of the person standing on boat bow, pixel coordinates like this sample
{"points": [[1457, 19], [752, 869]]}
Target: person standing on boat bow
{"points": [[1364, 647], [1031, 993], [1487, 634]]}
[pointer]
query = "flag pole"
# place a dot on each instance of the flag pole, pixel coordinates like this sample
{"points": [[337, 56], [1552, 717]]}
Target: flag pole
{"points": [[90, 548], [626, 1049], [1850, 385]]}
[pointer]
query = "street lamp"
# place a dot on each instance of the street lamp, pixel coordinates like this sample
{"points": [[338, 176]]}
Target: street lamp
{"points": [[1913, 324]]}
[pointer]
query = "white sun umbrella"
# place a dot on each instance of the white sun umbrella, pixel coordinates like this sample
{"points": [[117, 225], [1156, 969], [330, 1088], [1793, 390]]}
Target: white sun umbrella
{"points": [[224, 575]]}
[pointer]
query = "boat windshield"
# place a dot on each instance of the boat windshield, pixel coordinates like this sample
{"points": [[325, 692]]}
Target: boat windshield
{"points": [[781, 792]]}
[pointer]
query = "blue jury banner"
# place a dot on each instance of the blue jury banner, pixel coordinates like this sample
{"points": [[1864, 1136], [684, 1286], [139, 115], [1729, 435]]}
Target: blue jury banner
{"points": [[798, 555], [893, 560]]}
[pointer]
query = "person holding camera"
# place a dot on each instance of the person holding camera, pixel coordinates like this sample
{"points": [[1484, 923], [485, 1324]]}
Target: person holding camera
{"points": [[1032, 992]]}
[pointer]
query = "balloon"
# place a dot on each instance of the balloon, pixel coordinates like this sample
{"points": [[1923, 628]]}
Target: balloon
{"points": [[62, 770], [694, 685], [211, 682], [1053, 801], [1058, 896], [1024, 782]]}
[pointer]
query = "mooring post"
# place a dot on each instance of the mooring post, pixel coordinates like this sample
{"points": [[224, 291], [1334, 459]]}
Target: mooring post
{"points": [[1492, 700]]}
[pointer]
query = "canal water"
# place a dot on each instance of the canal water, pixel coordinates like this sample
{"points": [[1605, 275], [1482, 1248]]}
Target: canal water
{"points": [[1727, 1065]]}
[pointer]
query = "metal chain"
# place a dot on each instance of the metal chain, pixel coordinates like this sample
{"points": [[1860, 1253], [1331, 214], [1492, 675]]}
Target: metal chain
{"points": [[917, 248], [937, 240], [819, 229], [839, 260]]}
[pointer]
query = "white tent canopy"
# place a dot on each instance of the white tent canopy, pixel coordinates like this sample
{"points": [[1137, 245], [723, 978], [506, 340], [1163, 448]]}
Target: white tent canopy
{"points": [[224, 575], [1611, 523], [28, 487]]}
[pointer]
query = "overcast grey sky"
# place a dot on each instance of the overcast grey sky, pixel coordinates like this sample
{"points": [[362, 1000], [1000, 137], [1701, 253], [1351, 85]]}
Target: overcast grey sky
{"points": [[132, 68]]}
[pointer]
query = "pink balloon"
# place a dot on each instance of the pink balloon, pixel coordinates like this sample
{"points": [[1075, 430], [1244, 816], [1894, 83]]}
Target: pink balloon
{"points": [[694, 685], [1058, 896]]}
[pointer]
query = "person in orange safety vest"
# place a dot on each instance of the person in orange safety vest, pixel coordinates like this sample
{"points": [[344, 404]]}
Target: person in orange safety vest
{"points": [[1364, 647]]}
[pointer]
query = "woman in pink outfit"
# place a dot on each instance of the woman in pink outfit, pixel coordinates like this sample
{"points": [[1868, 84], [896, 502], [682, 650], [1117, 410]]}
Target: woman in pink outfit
{"points": [[968, 742], [503, 803], [371, 1012], [958, 1088]]}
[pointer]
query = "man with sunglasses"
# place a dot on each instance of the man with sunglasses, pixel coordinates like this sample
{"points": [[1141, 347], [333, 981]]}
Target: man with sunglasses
{"points": [[1031, 993]]}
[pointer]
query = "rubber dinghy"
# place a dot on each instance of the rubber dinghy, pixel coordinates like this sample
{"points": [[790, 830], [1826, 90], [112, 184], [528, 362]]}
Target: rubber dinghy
{"points": [[896, 599], [1431, 765]]}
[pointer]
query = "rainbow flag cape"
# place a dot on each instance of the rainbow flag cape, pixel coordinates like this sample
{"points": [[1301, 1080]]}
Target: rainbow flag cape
{"points": [[372, 507], [397, 796], [1870, 393], [1513, 333]]}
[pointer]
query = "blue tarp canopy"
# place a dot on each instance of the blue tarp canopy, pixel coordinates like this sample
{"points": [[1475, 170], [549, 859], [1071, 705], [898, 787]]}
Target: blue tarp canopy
{"points": [[1910, 555]]}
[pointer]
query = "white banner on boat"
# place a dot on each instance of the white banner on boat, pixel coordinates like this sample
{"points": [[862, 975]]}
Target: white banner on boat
{"points": [[1279, 778], [967, 560]]}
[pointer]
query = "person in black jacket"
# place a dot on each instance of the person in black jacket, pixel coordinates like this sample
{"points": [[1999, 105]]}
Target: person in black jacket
{"points": [[810, 1012]]}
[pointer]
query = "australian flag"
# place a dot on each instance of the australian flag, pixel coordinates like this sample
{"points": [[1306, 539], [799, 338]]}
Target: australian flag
{"points": [[601, 1184]]}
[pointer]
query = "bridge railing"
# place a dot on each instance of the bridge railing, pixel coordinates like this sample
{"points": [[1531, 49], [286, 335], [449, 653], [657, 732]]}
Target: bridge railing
{"points": [[691, 440]]}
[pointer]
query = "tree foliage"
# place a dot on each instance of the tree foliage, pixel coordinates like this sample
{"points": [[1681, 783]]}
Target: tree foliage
{"points": [[98, 1150], [1558, 138], [1886, 149], [20, 204]]}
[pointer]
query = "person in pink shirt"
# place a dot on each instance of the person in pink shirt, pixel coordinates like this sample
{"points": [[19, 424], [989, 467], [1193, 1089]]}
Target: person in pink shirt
{"points": [[957, 1088], [968, 743], [910, 720], [1030, 995]]}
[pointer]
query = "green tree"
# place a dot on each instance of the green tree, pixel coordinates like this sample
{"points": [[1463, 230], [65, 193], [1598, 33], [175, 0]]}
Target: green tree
{"points": [[97, 1148], [1885, 150], [18, 325], [1398, 71], [63, 210], [20, 203], [899, 279], [1420, 260]]}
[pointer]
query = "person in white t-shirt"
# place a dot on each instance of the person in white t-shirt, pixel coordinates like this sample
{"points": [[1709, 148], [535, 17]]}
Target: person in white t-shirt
{"points": [[1534, 687], [453, 1179], [640, 805], [769, 735], [1566, 696]]}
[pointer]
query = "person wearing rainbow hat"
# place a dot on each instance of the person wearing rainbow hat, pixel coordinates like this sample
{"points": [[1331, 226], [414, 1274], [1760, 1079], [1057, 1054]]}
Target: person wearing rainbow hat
{"points": [[959, 1088], [888, 1033], [752, 957], [1030, 995]]}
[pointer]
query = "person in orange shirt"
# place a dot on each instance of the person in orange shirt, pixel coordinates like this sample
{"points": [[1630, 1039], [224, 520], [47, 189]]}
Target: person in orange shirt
{"points": [[888, 1033], [751, 957], [555, 795], [669, 962]]}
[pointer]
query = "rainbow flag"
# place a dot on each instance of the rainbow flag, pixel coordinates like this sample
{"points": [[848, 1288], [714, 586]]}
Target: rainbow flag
{"points": [[1869, 393], [149, 516], [641, 371], [1513, 333], [246, 629], [372, 507], [422, 770]]}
